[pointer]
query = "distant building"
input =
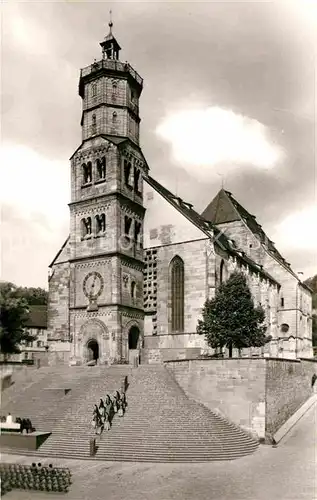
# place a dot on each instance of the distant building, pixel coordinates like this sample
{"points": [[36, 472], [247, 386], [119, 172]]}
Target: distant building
{"points": [[37, 326], [35, 351], [133, 275]]}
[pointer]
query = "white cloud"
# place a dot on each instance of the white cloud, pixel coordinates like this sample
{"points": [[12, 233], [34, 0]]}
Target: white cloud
{"points": [[38, 188], [213, 136], [298, 231], [34, 192], [28, 35]]}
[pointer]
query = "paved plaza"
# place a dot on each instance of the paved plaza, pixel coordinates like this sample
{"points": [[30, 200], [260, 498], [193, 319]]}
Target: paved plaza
{"points": [[287, 472]]}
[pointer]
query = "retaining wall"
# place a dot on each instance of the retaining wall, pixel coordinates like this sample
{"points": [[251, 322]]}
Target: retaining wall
{"points": [[258, 394]]}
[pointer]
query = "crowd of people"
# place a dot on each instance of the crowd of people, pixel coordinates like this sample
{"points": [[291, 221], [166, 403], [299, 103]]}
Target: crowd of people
{"points": [[104, 413]]}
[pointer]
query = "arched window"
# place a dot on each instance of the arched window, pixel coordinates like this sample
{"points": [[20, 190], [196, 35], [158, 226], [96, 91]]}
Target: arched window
{"points": [[177, 294], [101, 168], [221, 275], [133, 289], [100, 223], [86, 227], [94, 90], [114, 117], [87, 172]]}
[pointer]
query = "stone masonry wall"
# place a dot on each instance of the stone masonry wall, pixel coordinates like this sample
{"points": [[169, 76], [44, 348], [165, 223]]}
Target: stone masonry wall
{"points": [[194, 255], [293, 304], [288, 386], [257, 394], [233, 387], [159, 356], [58, 303]]}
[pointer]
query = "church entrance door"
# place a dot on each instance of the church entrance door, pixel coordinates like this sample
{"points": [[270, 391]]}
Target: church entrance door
{"points": [[93, 350], [134, 344]]}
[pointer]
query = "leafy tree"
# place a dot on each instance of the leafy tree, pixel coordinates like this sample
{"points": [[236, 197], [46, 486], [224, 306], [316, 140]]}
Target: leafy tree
{"points": [[13, 316], [33, 296], [231, 319]]}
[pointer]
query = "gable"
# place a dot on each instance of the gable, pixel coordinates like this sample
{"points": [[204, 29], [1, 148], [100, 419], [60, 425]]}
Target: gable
{"points": [[94, 142], [63, 254], [220, 210], [224, 208], [163, 223]]}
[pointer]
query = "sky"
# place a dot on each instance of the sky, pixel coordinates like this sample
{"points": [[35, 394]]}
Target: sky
{"points": [[228, 99]]}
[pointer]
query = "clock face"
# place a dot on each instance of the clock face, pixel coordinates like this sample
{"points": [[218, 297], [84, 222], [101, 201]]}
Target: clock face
{"points": [[93, 285]]}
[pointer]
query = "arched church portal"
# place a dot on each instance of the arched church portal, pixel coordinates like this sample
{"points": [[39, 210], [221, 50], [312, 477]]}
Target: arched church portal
{"points": [[93, 350], [134, 345], [134, 335]]}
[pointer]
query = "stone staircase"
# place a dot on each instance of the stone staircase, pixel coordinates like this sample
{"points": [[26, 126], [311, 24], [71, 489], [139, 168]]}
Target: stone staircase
{"points": [[162, 424], [66, 414], [23, 381]]}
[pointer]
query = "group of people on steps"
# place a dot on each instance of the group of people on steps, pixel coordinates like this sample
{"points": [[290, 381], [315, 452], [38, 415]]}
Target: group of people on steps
{"points": [[103, 415]]}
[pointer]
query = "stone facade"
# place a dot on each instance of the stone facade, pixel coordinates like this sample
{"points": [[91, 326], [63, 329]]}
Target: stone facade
{"points": [[96, 284], [113, 276], [293, 304]]}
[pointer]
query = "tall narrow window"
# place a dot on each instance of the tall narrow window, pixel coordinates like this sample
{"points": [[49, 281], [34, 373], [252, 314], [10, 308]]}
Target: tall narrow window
{"points": [[94, 90], [127, 225], [100, 223], [221, 272], [137, 230], [94, 125], [127, 173], [177, 294], [114, 117], [101, 168], [137, 174], [87, 173], [86, 227]]}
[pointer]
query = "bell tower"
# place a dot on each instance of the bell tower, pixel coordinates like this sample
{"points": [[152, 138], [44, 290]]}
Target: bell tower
{"points": [[110, 91], [107, 213]]}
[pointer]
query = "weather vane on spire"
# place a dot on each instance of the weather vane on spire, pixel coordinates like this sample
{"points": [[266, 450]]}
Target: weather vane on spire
{"points": [[110, 22]]}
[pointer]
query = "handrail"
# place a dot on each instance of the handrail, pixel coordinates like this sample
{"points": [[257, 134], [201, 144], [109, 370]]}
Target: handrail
{"points": [[111, 64]]}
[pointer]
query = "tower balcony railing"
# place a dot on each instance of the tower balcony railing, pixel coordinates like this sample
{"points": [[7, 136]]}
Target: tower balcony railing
{"points": [[112, 65]]}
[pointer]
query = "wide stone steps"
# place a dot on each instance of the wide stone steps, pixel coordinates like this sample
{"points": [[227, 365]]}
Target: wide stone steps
{"points": [[74, 429], [44, 401], [67, 416], [161, 423], [17, 390]]}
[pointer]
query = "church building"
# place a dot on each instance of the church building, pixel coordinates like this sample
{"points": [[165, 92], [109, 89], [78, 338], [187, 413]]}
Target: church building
{"points": [[131, 279]]}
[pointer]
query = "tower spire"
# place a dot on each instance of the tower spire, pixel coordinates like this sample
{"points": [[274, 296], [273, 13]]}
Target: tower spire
{"points": [[110, 46], [110, 21]]}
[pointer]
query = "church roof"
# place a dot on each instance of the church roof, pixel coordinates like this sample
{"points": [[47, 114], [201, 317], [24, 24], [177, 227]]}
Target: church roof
{"points": [[207, 227], [59, 252], [225, 208], [183, 207]]}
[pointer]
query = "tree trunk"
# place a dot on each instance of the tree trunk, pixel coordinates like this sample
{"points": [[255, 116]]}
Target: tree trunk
{"points": [[230, 350]]}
